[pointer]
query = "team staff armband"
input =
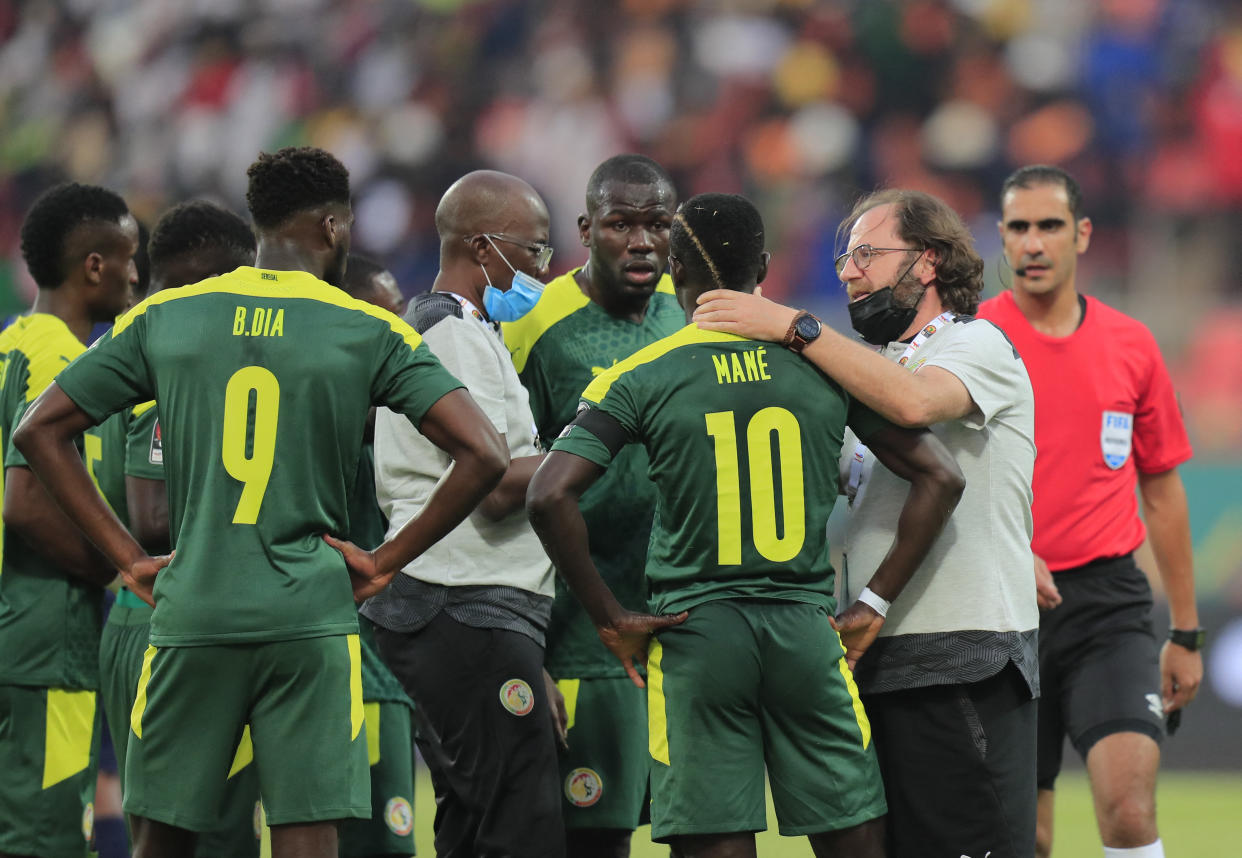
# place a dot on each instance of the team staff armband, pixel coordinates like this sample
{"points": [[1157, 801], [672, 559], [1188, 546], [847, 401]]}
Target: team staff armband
{"points": [[876, 602]]}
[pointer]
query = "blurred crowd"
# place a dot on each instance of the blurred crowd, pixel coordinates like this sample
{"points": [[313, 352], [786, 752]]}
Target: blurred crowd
{"points": [[799, 104]]}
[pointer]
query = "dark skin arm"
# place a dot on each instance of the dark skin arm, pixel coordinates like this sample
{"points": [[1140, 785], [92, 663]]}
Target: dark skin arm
{"points": [[552, 504], [30, 511], [459, 427], [510, 494], [148, 513], [45, 437], [936, 485]]}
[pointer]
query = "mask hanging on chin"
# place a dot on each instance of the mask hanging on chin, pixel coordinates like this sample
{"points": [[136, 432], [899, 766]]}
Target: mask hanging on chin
{"points": [[519, 300], [878, 319]]}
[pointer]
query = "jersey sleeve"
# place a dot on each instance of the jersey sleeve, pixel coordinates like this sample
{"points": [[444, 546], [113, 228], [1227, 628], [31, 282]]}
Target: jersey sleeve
{"points": [[987, 364], [607, 420], [459, 345], [144, 446], [112, 374], [862, 421], [409, 378], [1160, 440]]}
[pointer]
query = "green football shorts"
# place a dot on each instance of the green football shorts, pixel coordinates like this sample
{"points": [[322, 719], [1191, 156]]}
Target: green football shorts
{"points": [[302, 701], [748, 684], [605, 770], [49, 749], [390, 753], [121, 649]]}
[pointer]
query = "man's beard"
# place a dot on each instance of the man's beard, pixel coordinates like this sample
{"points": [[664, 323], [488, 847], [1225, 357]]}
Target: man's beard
{"points": [[908, 291]]}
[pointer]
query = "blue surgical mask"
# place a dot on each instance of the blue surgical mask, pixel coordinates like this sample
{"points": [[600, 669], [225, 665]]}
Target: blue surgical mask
{"points": [[519, 300]]}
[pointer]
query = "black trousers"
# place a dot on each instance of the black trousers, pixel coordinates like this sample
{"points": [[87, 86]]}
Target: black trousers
{"points": [[485, 731]]}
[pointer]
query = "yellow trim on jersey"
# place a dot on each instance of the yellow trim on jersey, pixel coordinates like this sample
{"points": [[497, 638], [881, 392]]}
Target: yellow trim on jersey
{"points": [[657, 718], [143, 407], [245, 752], [860, 714], [67, 739], [48, 345], [140, 699], [357, 715], [561, 298], [261, 283], [569, 689], [690, 335], [371, 714]]}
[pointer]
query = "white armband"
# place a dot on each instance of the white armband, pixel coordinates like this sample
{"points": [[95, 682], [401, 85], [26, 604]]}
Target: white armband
{"points": [[876, 602]]}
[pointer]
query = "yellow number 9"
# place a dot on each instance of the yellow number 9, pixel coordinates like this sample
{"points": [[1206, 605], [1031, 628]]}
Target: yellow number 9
{"points": [[255, 470]]}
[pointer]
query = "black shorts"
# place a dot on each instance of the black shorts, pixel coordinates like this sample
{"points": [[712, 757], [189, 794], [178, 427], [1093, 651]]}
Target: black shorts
{"points": [[484, 728], [959, 767], [1099, 663]]}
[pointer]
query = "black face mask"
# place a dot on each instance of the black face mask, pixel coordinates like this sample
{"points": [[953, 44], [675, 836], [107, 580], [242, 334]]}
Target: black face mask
{"points": [[878, 319]]}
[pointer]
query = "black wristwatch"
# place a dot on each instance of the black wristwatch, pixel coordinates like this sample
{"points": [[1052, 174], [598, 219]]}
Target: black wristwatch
{"points": [[1191, 639], [804, 329]]}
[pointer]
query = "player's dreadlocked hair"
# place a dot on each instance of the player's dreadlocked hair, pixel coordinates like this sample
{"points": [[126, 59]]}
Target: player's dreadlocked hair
{"points": [[53, 216], [625, 170], [200, 225], [1042, 174], [293, 180], [719, 237], [360, 273]]}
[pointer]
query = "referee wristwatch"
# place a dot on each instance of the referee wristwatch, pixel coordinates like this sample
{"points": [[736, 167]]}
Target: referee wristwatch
{"points": [[803, 330], [1191, 639]]}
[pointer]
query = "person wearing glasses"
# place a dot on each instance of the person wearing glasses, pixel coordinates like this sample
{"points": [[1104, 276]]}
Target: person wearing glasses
{"points": [[463, 628], [948, 667]]}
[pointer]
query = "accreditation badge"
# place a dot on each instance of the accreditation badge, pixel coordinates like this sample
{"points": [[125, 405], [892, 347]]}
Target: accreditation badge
{"points": [[1116, 434]]}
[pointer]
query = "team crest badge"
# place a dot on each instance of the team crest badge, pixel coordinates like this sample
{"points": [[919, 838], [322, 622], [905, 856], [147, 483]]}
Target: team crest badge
{"points": [[157, 446], [1116, 432], [583, 787], [516, 696], [88, 821], [399, 816]]}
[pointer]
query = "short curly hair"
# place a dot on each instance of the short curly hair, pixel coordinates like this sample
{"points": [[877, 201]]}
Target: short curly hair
{"points": [[51, 219], [719, 237], [292, 180], [929, 223], [627, 169], [201, 225]]}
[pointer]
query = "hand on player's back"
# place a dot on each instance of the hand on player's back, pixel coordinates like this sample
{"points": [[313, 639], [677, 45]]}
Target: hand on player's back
{"points": [[628, 635], [364, 577], [140, 576], [858, 625]]}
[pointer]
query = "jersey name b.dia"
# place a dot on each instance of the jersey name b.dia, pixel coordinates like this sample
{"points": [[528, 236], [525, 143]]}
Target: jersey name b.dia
{"points": [[264, 380], [743, 440]]}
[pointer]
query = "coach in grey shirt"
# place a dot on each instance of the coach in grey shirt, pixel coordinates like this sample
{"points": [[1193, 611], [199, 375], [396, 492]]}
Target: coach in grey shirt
{"points": [[463, 626]]}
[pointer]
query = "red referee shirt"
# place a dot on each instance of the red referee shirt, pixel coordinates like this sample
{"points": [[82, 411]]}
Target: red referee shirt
{"points": [[1104, 411]]}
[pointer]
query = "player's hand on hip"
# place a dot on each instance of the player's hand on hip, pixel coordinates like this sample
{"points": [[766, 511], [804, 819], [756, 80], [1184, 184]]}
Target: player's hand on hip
{"points": [[628, 635], [365, 579], [1047, 596], [859, 625], [140, 576], [1181, 671], [747, 315]]}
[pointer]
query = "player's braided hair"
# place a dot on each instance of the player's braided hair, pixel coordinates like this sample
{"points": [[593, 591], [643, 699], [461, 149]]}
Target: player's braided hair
{"points": [[294, 179], [53, 216], [928, 222], [628, 169], [201, 225], [1043, 174], [360, 273], [719, 236]]}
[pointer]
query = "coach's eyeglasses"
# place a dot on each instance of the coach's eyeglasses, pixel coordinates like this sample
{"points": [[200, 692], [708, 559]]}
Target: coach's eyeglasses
{"points": [[541, 251], [864, 253]]}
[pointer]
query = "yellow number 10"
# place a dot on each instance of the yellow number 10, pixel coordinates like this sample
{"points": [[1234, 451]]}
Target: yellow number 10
{"points": [[774, 547], [255, 470]]}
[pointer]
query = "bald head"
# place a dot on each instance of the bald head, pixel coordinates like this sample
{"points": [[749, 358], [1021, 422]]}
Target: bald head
{"points": [[486, 201]]}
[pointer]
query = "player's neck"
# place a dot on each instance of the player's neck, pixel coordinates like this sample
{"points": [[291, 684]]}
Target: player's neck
{"points": [[284, 256], [1053, 314], [631, 308], [63, 303]]}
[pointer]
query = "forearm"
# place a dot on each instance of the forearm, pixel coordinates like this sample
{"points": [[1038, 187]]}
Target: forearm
{"points": [[32, 514], [1168, 527], [926, 512], [558, 521], [509, 496], [882, 385]]}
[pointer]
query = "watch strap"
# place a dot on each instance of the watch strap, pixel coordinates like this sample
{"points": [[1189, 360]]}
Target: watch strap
{"points": [[1191, 639]]}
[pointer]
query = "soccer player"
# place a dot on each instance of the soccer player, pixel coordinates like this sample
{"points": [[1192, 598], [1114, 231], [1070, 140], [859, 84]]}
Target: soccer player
{"points": [[585, 322], [742, 441], [79, 243], [1107, 419], [263, 379], [191, 242]]}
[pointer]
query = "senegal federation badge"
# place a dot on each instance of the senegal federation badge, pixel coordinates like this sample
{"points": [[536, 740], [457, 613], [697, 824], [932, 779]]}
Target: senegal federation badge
{"points": [[516, 696], [399, 816], [583, 787]]}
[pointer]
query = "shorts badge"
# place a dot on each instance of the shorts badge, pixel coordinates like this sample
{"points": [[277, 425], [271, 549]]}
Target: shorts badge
{"points": [[1156, 704], [88, 821], [1115, 435], [516, 696], [583, 787], [399, 816], [156, 456]]}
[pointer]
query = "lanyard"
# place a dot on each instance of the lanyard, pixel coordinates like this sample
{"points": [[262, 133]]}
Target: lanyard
{"points": [[470, 308], [857, 469]]}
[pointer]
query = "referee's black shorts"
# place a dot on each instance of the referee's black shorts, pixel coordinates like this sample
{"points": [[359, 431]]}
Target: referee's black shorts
{"points": [[1099, 663]]}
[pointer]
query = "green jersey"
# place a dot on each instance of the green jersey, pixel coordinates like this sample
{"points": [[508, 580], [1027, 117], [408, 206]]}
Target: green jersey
{"points": [[49, 620], [743, 440], [558, 349], [263, 380]]}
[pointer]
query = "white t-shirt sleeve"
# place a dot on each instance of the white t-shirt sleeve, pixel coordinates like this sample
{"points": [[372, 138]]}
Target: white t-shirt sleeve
{"points": [[986, 362], [461, 348]]}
